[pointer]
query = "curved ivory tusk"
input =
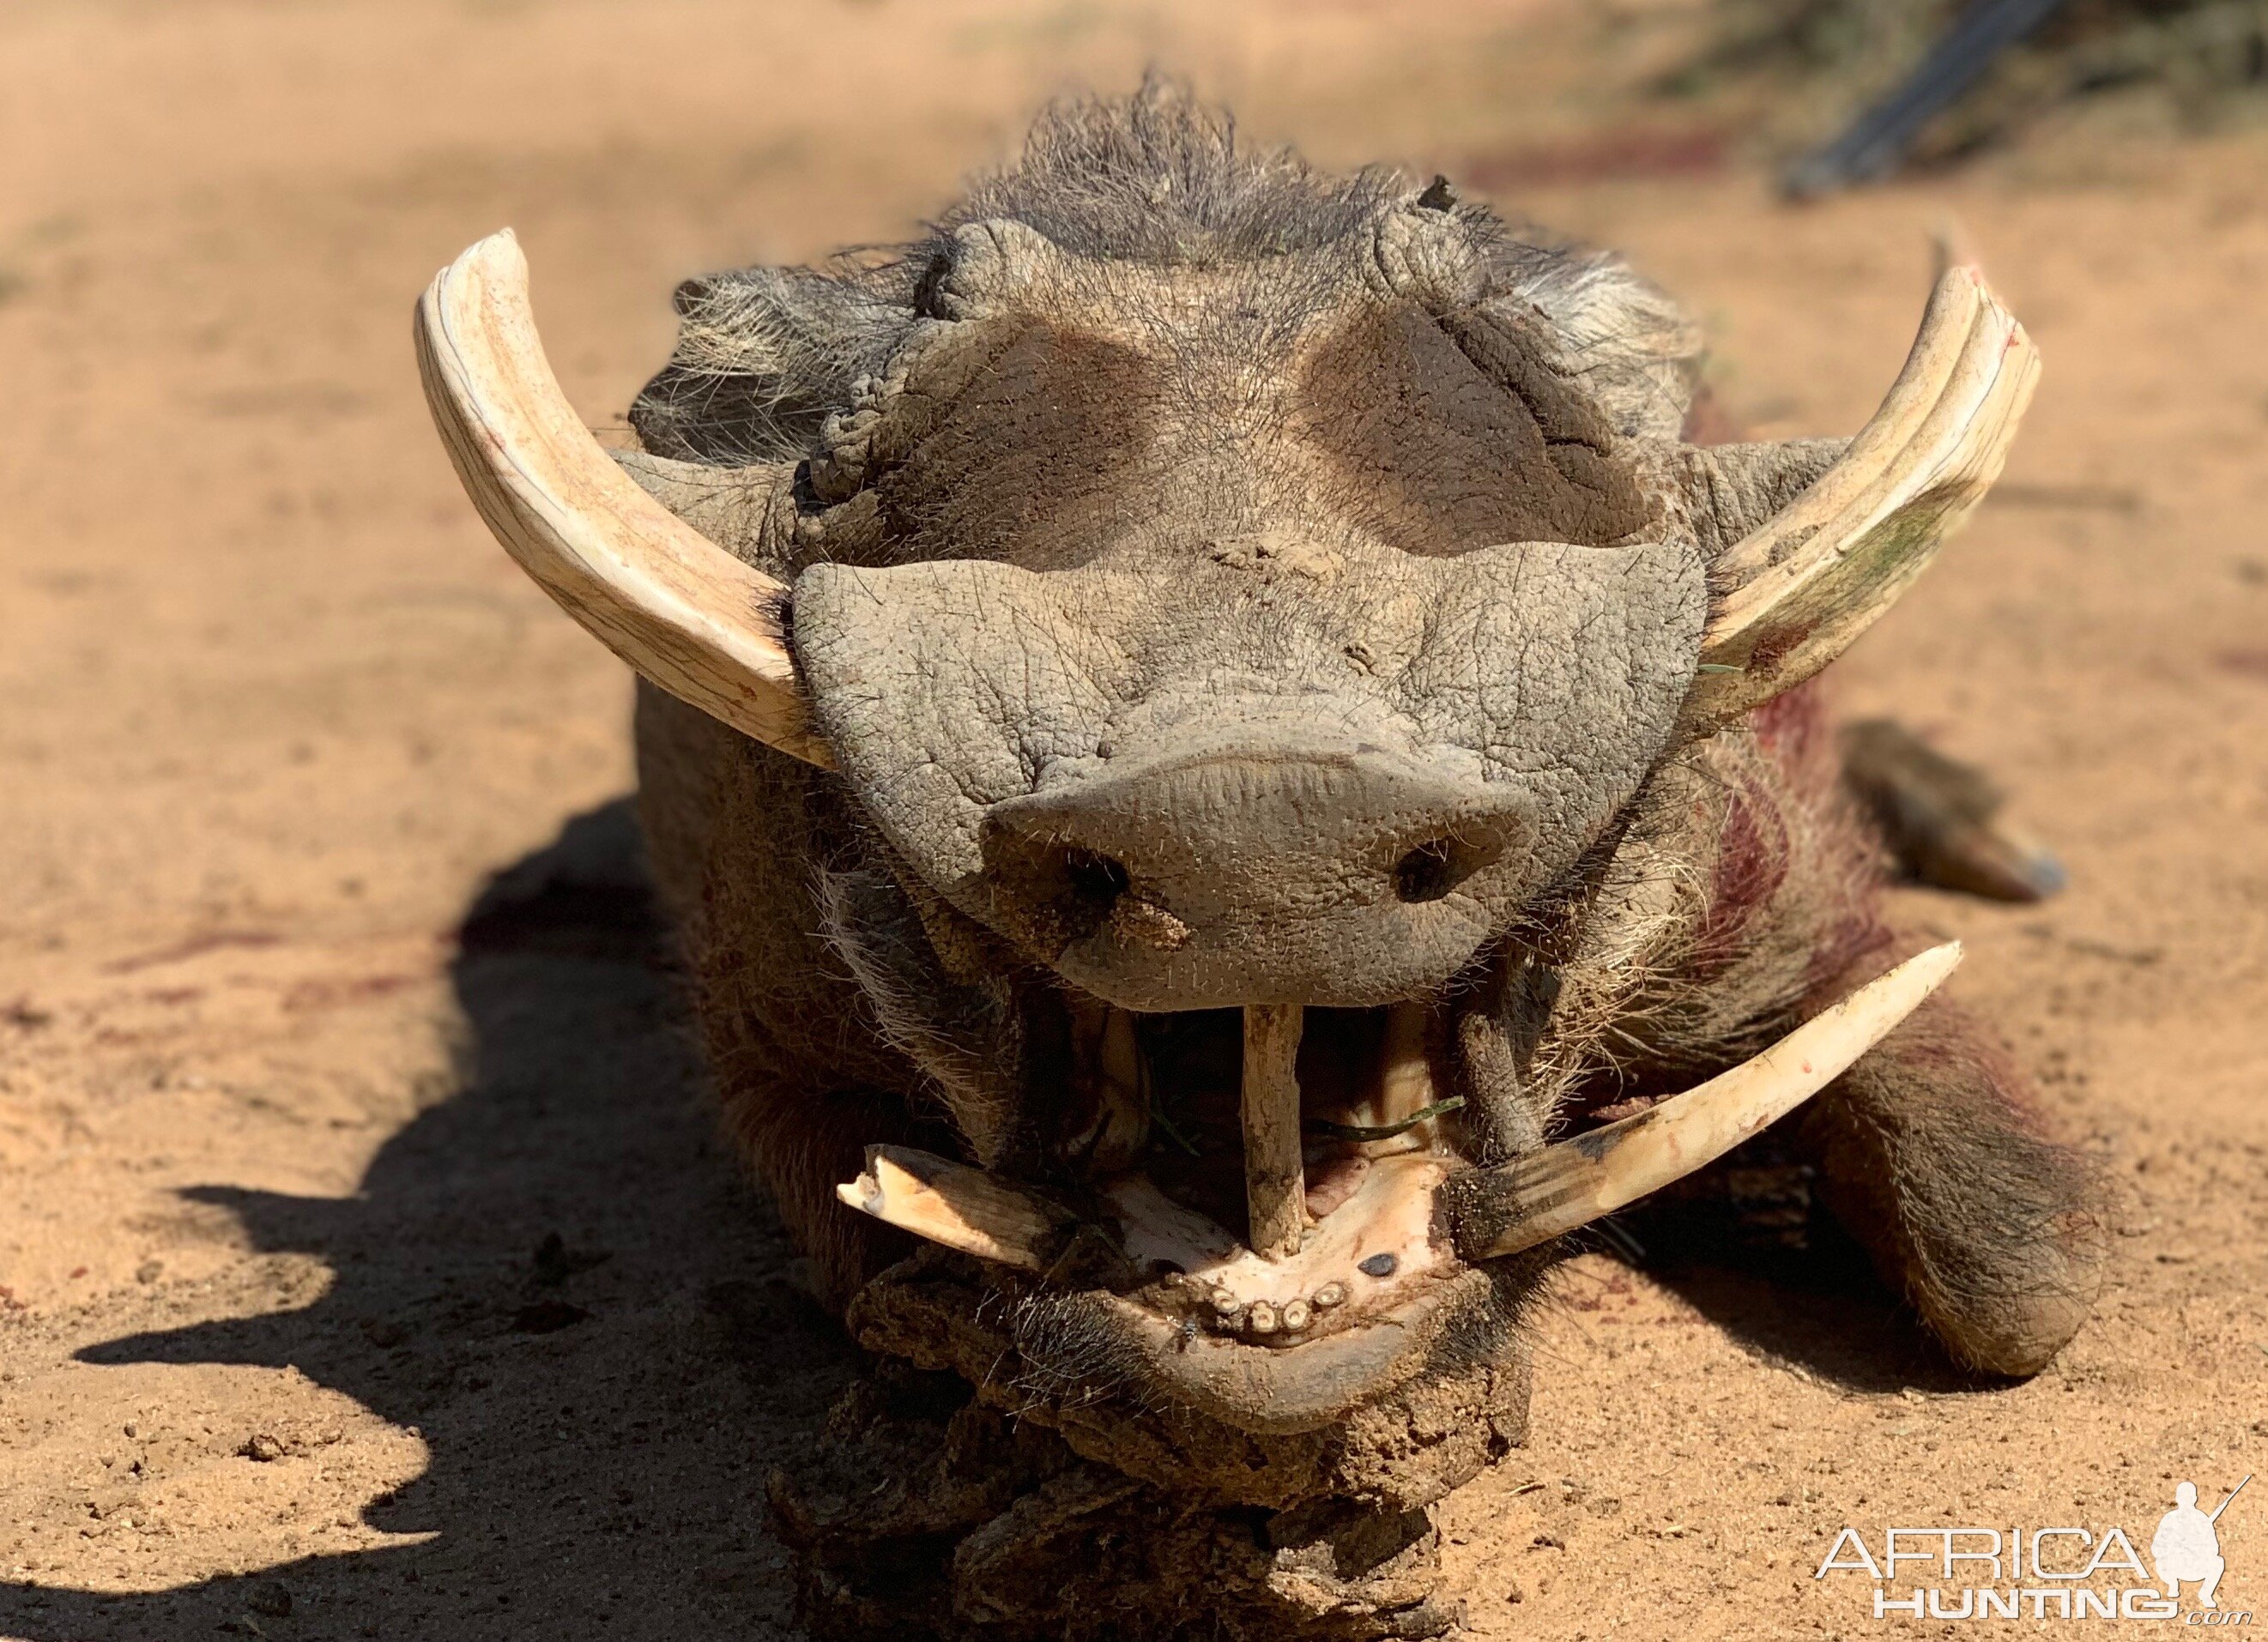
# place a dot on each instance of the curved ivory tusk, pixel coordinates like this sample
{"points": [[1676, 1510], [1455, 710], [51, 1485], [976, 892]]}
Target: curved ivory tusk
{"points": [[686, 613], [1565, 1186], [1818, 574]]}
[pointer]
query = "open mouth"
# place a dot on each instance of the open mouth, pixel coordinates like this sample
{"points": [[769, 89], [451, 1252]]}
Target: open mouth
{"points": [[1271, 1183], [1285, 1186]]}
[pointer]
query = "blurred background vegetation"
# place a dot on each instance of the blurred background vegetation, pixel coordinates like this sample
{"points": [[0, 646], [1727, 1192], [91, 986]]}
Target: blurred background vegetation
{"points": [[1792, 73]]}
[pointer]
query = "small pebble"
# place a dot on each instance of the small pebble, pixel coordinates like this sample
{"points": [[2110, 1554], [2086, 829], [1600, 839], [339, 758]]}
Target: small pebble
{"points": [[1379, 1265]]}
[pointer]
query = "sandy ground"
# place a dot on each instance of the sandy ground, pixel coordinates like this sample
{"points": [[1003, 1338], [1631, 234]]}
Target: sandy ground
{"points": [[362, 1280]]}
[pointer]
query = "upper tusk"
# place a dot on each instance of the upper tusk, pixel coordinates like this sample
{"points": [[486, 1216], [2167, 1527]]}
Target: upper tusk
{"points": [[1817, 573], [686, 613], [1530, 1201]]}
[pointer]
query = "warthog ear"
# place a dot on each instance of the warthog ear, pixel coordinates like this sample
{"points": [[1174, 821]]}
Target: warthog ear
{"points": [[1798, 589], [686, 613], [764, 354]]}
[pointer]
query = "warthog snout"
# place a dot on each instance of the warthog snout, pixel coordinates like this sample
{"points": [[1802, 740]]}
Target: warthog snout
{"points": [[1284, 866]]}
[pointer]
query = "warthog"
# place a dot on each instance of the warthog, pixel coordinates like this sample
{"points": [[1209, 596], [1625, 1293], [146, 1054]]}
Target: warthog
{"points": [[1230, 775]]}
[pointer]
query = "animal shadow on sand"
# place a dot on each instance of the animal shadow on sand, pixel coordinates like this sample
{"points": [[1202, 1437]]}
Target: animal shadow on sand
{"points": [[558, 1276], [1800, 1297], [560, 1280]]}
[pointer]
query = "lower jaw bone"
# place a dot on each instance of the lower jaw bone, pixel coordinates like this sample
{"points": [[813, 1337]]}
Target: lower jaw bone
{"points": [[1491, 1213], [1372, 1253]]}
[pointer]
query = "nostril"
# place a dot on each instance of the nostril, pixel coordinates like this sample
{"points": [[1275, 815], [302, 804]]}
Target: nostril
{"points": [[1049, 880], [1437, 867], [1096, 880], [1423, 873]]}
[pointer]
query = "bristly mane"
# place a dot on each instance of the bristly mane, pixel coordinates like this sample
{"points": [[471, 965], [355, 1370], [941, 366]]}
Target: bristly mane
{"points": [[1159, 178]]}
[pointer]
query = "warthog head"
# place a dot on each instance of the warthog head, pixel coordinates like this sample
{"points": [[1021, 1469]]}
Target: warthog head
{"points": [[1232, 614]]}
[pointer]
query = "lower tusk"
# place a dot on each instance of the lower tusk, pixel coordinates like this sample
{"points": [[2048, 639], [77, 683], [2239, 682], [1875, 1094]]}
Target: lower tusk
{"points": [[1275, 1179], [956, 1205], [1107, 1083], [1504, 1211], [1405, 1079], [1491, 1213], [1125, 1105]]}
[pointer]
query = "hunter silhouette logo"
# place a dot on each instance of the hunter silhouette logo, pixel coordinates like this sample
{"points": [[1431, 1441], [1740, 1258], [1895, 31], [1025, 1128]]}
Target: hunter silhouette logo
{"points": [[2186, 1545], [1974, 1573]]}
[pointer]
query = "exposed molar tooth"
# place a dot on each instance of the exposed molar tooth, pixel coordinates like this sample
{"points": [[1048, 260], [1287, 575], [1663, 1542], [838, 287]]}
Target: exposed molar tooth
{"points": [[1330, 1295], [1225, 1303], [1296, 1315], [1262, 1318]]}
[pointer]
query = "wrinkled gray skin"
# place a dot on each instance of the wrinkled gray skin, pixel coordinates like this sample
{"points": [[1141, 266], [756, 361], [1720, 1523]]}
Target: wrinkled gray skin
{"points": [[1225, 585], [1206, 725], [1235, 680]]}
